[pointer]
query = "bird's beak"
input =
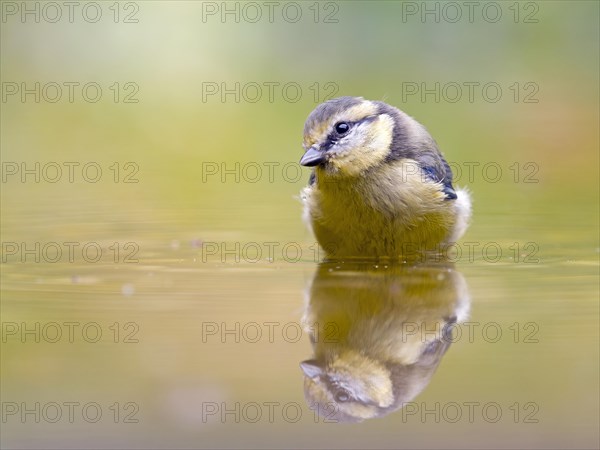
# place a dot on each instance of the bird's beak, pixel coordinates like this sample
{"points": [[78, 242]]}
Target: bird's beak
{"points": [[311, 368], [313, 157]]}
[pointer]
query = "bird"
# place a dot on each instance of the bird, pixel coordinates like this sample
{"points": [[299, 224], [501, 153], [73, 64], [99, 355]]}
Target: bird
{"points": [[379, 187], [378, 334]]}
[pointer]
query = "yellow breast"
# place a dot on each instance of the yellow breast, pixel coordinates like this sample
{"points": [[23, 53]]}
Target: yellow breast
{"points": [[394, 212]]}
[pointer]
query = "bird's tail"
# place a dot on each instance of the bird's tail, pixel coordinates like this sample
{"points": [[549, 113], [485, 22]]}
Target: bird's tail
{"points": [[463, 214]]}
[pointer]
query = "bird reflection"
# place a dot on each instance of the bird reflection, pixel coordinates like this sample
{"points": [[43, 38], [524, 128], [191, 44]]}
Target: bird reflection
{"points": [[378, 334]]}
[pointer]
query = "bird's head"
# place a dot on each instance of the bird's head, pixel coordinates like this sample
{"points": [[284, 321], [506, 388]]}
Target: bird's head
{"points": [[347, 135], [353, 386]]}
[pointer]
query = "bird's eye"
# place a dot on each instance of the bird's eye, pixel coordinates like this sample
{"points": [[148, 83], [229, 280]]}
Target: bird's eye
{"points": [[342, 127], [342, 396]]}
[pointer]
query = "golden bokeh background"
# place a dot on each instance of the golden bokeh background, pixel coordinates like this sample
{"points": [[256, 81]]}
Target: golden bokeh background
{"points": [[163, 125]]}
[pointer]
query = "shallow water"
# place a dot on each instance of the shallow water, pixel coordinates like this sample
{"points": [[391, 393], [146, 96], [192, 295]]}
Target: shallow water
{"points": [[169, 301], [203, 353]]}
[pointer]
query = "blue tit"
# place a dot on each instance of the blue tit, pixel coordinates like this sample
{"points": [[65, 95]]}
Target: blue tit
{"points": [[378, 334], [380, 188]]}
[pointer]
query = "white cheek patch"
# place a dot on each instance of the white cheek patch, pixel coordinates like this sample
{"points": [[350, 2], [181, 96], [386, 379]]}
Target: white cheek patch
{"points": [[353, 114], [367, 146], [381, 134]]}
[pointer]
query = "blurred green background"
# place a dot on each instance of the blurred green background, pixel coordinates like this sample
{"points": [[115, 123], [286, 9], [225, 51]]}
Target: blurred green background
{"points": [[547, 51]]}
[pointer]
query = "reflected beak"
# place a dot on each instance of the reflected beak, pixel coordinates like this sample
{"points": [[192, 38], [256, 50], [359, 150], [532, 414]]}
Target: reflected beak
{"points": [[311, 368], [313, 157]]}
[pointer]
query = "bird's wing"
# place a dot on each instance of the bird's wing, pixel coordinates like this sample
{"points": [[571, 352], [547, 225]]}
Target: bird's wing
{"points": [[440, 172]]}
